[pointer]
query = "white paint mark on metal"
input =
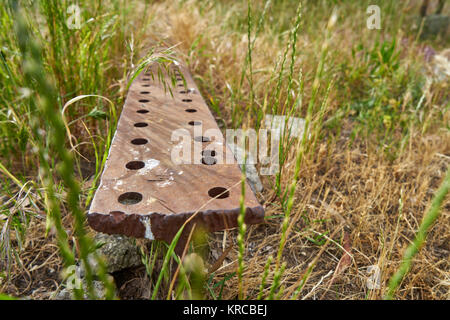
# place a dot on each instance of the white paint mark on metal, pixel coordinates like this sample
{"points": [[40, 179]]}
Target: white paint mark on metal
{"points": [[148, 228], [149, 165], [117, 185], [165, 183]]}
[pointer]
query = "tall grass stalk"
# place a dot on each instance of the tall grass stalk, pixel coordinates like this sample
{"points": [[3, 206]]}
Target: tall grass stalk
{"points": [[264, 277], [35, 75], [298, 16], [276, 281], [302, 147], [171, 254], [286, 140], [292, 41], [167, 258], [249, 50], [428, 220], [242, 228], [99, 161]]}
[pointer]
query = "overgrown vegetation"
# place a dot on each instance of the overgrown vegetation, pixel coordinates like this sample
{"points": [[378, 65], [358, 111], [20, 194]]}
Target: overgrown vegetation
{"points": [[353, 193]]}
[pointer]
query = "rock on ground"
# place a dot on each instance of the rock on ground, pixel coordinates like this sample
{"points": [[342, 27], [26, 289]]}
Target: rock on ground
{"points": [[120, 251], [435, 25], [67, 294], [250, 170]]}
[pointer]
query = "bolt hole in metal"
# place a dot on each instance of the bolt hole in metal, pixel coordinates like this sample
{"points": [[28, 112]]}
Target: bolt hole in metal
{"points": [[144, 92], [116, 212], [139, 141], [135, 165], [202, 139], [208, 153], [209, 161], [186, 100], [218, 192], [142, 111], [191, 110], [128, 198], [195, 123], [144, 100], [140, 124]]}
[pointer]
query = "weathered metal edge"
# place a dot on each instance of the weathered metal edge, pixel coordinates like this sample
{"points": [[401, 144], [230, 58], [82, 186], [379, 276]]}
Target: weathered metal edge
{"points": [[157, 226]]}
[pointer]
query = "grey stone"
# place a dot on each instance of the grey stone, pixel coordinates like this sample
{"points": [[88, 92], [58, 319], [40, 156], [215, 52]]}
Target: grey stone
{"points": [[120, 251], [441, 66], [64, 294], [435, 25], [67, 294], [250, 170]]}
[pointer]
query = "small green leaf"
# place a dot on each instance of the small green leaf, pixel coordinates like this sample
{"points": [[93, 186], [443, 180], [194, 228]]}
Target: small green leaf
{"points": [[97, 114], [6, 297]]}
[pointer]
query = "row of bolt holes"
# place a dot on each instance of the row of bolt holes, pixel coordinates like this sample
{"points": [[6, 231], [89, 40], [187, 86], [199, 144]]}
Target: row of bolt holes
{"points": [[128, 198]]}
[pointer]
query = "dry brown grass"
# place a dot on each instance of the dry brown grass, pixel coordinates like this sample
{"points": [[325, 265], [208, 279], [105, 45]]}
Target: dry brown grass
{"points": [[349, 190], [357, 193], [367, 206], [36, 273]]}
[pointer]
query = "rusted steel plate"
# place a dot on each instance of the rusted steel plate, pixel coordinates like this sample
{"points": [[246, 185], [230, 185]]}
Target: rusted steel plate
{"points": [[144, 192]]}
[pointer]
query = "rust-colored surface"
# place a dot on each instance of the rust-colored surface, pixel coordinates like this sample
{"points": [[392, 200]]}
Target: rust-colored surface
{"points": [[142, 192]]}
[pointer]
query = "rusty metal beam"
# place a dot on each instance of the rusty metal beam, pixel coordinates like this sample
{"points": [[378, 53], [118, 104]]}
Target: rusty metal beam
{"points": [[143, 192]]}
